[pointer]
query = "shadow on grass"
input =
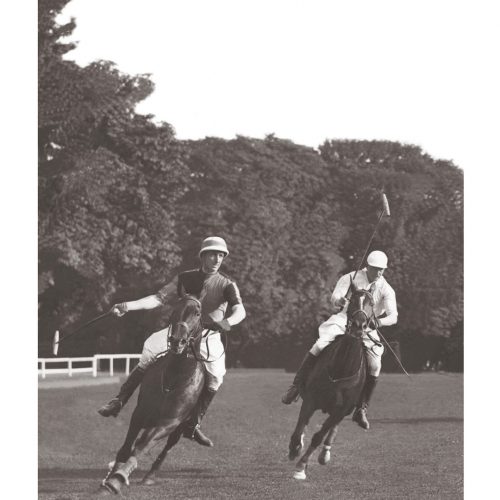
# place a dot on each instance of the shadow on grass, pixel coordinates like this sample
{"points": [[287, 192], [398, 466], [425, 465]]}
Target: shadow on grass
{"points": [[58, 473], [424, 420]]}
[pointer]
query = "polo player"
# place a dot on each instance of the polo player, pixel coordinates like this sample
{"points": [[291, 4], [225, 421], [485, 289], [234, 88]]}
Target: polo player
{"points": [[216, 293], [370, 278]]}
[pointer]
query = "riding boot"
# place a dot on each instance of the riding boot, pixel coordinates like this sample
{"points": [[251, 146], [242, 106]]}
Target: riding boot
{"points": [[359, 415], [192, 429], [126, 390], [292, 394]]}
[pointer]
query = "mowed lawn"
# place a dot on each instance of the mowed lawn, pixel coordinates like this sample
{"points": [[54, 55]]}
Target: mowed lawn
{"points": [[414, 449]]}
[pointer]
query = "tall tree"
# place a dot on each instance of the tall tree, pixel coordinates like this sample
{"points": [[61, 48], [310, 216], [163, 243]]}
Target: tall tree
{"points": [[108, 182]]}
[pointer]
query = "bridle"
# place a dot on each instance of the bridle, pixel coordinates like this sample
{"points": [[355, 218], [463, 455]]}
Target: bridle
{"points": [[361, 310], [195, 332]]}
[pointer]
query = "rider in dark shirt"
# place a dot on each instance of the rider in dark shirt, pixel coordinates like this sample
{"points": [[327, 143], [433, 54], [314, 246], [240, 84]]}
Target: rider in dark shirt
{"points": [[216, 293]]}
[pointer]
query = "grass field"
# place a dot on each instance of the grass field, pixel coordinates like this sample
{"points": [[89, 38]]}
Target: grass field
{"points": [[414, 449]]}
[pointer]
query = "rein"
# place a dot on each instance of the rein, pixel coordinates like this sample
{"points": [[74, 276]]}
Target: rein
{"points": [[367, 317], [206, 360], [194, 336]]}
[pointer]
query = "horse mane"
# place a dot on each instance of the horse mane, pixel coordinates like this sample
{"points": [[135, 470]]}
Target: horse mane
{"points": [[344, 357]]}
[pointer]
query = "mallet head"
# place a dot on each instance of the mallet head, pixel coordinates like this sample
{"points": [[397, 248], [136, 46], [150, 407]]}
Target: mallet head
{"points": [[385, 204], [55, 343]]}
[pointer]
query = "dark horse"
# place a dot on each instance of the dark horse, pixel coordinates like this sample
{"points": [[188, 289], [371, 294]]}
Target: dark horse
{"points": [[168, 395], [335, 383]]}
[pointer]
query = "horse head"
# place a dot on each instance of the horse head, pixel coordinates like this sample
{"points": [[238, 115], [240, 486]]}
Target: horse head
{"points": [[185, 323], [359, 311]]}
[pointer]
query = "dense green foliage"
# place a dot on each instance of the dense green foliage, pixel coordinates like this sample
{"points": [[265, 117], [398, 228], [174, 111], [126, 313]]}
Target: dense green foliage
{"points": [[123, 206]]}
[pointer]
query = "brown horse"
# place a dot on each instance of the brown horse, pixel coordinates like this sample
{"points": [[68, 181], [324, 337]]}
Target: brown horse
{"points": [[335, 383], [168, 396]]}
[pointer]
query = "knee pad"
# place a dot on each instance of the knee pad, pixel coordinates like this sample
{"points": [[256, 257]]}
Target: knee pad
{"points": [[213, 383], [147, 359]]}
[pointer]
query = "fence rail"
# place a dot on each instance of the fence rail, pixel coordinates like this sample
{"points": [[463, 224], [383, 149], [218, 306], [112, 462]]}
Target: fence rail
{"points": [[94, 363]]}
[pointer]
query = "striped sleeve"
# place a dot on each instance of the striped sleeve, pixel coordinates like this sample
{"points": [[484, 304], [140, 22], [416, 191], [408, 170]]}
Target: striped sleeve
{"points": [[232, 294]]}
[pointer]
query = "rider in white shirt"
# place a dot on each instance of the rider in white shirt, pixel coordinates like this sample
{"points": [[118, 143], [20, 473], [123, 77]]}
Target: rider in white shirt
{"points": [[371, 279]]}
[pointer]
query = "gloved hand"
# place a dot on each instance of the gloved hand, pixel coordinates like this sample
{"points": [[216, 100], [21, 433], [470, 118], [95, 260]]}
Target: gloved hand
{"points": [[341, 302], [219, 326], [119, 309], [339, 305], [374, 323]]}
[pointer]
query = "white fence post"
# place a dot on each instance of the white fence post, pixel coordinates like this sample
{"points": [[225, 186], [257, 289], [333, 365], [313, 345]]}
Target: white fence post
{"points": [[94, 366], [111, 366], [70, 367], [43, 368], [127, 366]]}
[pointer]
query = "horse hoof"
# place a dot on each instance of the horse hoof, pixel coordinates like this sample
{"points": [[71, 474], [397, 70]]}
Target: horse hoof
{"points": [[114, 484], [299, 474], [324, 458], [148, 481], [104, 491]]}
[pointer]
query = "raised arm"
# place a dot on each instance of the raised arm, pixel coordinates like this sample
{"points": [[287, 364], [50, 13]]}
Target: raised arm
{"points": [[338, 296], [164, 296]]}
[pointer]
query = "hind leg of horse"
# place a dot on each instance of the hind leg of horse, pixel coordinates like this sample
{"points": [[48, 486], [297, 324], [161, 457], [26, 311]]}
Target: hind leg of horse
{"points": [[317, 439], [297, 437], [324, 456], [173, 439]]}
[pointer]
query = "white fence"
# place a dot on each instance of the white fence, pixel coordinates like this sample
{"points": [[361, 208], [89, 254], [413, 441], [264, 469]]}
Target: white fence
{"points": [[94, 364]]}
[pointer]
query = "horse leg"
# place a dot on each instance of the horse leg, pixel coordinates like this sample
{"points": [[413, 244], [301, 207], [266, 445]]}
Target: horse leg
{"points": [[317, 439], [146, 441], [124, 452], [297, 437], [324, 456], [173, 439]]}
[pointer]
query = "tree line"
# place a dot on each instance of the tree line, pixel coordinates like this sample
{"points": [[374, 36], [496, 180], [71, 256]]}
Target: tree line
{"points": [[124, 205]]}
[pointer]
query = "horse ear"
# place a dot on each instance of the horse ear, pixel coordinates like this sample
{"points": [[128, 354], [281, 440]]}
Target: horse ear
{"points": [[352, 286]]}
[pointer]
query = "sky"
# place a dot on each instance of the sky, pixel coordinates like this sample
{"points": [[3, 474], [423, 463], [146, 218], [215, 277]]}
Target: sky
{"points": [[304, 70]]}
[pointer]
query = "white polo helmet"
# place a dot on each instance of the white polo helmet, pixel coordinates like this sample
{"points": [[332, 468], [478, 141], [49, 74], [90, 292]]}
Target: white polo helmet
{"points": [[377, 259], [214, 243]]}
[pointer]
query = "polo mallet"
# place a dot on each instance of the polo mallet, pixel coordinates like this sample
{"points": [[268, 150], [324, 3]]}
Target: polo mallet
{"points": [[385, 211], [57, 340], [395, 355]]}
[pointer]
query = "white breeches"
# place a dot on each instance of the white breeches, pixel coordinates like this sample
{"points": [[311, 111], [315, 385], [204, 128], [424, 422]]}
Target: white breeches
{"points": [[330, 329], [211, 348]]}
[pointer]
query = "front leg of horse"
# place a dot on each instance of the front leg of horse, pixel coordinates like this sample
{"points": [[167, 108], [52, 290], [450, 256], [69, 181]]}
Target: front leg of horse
{"points": [[297, 437], [146, 441], [122, 456], [317, 439], [325, 455]]}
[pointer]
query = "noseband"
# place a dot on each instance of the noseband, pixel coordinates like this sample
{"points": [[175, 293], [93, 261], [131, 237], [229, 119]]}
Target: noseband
{"points": [[183, 324], [365, 293]]}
